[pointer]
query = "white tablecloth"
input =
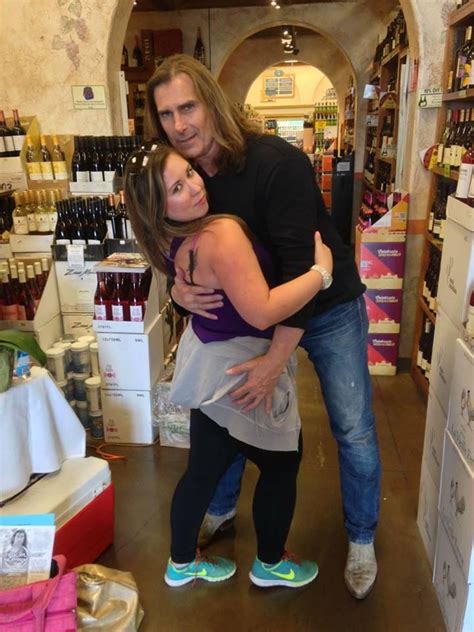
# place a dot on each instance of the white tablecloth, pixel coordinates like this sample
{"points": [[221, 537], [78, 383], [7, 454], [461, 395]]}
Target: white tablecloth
{"points": [[38, 431]]}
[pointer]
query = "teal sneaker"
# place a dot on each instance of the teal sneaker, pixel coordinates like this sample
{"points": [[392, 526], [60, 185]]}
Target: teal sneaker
{"points": [[288, 572], [210, 569]]}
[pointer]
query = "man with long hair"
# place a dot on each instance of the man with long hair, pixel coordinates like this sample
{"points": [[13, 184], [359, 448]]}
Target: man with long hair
{"points": [[271, 185]]}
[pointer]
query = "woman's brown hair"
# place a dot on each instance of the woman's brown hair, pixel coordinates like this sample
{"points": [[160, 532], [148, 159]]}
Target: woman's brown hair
{"points": [[145, 195], [229, 126]]}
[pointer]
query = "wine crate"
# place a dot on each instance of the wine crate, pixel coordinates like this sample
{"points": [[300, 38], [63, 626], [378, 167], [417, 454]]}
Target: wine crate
{"points": [[128, 417], [384, 310], [456, 505], [46, 325], [456, 276], [442, 362], [427, 516], [157, 299], [455, 595], [461, 402], [31, 243], [434, 438], [77, 279], [383, 353], [16, 165], [132, 361]]}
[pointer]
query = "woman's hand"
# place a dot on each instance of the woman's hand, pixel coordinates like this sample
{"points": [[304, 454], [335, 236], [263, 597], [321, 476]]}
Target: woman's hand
{"points": [[322, 254]]}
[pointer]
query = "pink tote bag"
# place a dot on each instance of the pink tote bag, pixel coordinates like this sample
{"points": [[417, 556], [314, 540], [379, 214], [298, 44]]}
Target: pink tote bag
{"points": [[47, 606]]}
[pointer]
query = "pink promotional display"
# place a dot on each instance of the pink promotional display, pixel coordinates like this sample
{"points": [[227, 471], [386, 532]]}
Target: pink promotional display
{"points": [[47, 606]]}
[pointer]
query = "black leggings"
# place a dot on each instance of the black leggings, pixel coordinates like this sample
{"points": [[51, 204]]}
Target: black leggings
{"points": [[212, 451]]}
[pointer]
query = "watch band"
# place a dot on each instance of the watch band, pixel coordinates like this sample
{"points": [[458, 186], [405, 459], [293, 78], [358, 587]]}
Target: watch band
{"points": [[326, 276]]}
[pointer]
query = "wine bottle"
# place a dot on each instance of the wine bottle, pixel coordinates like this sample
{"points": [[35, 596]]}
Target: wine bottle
{"points": [[59, 161], [465, 174], [46, 165], [10, 302], [33, 285], [30, 208], [7, 147], [199, 50], [136, 299], [33, 160], [62, 235], [18, 133], [123, 215], [95, 163], [137, 56], [39, 275], [124, 62], [20, 215], [102, 300], [120, 311], [26, 302]]}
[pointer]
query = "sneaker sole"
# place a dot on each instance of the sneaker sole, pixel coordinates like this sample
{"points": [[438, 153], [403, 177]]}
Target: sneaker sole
{"points": [[268, 583], [191, 578]]}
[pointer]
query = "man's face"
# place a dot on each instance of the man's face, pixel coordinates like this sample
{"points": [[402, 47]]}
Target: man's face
{"points": [[185, 120]]}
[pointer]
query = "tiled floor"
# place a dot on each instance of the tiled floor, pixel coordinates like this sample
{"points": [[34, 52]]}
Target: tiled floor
{"points": [[403, 599]]}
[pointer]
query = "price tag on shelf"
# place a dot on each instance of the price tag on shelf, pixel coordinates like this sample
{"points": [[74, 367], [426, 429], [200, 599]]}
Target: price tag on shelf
{"points": [[447, 171], [430, 98]]}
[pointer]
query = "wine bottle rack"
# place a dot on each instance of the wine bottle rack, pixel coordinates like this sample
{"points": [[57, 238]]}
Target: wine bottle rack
{"points": [[458, 99]]}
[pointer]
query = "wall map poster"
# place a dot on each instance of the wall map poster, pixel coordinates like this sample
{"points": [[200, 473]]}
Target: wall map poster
{"points": [[279, 86]]}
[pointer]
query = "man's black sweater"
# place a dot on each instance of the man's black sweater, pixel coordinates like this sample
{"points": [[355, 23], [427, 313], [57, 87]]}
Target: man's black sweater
{"points": [[277, 196]]}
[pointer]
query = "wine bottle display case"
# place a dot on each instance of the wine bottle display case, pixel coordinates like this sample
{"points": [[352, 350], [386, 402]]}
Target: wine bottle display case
{"points": [[453, 136]]}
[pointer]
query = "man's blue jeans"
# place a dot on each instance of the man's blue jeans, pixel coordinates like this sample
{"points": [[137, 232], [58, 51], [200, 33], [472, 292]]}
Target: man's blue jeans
{"points": [[336, 343]]}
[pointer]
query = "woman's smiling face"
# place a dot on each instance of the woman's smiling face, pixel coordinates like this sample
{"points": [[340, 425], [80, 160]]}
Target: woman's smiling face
{"points": [[186, 197]]}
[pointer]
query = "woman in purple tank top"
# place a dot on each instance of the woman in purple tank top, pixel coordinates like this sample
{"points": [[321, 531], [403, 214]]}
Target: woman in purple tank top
{"points": [[168, 209]]}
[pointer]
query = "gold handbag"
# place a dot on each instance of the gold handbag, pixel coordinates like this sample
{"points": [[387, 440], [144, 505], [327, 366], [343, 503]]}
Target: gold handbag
{"points": [[107, 600]]}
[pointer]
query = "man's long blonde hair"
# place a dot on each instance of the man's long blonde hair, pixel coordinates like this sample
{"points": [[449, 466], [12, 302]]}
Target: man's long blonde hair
{"points": [[230, 128]]}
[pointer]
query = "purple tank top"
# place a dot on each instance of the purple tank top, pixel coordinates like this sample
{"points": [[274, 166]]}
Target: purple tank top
{"points": [[229, 323]]}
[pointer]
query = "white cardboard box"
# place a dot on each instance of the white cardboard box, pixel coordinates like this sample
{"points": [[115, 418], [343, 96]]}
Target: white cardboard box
{"points": [[434, 438], [442, 361], [5, 250], [128, 417], [456, 505], [456, 276], [31, 243], [455, 596], [460, 212], [427, 517], [77, 283], [132, 361], [461, 402], [157, 300], [78, 324], [46, 325]]}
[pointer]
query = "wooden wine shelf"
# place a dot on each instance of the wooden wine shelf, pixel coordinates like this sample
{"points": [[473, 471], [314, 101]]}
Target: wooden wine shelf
{"points": [[460, 95], [461, 16], [429, 314], [386, 60], [420, 380], [368, 185], [437, 243], [453, 174], [390, 161]]}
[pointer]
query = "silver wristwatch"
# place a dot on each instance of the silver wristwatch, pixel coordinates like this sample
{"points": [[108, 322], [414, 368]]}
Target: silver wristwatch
{"points": [[327, 277]]}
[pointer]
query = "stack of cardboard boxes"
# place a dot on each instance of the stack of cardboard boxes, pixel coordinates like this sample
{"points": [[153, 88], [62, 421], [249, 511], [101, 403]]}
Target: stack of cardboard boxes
{"points": [[380, 256], [132, 358], [446, 499]]}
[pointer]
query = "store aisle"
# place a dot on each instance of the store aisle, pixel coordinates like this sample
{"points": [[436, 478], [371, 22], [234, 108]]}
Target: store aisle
{"points": [[403, 599]]}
